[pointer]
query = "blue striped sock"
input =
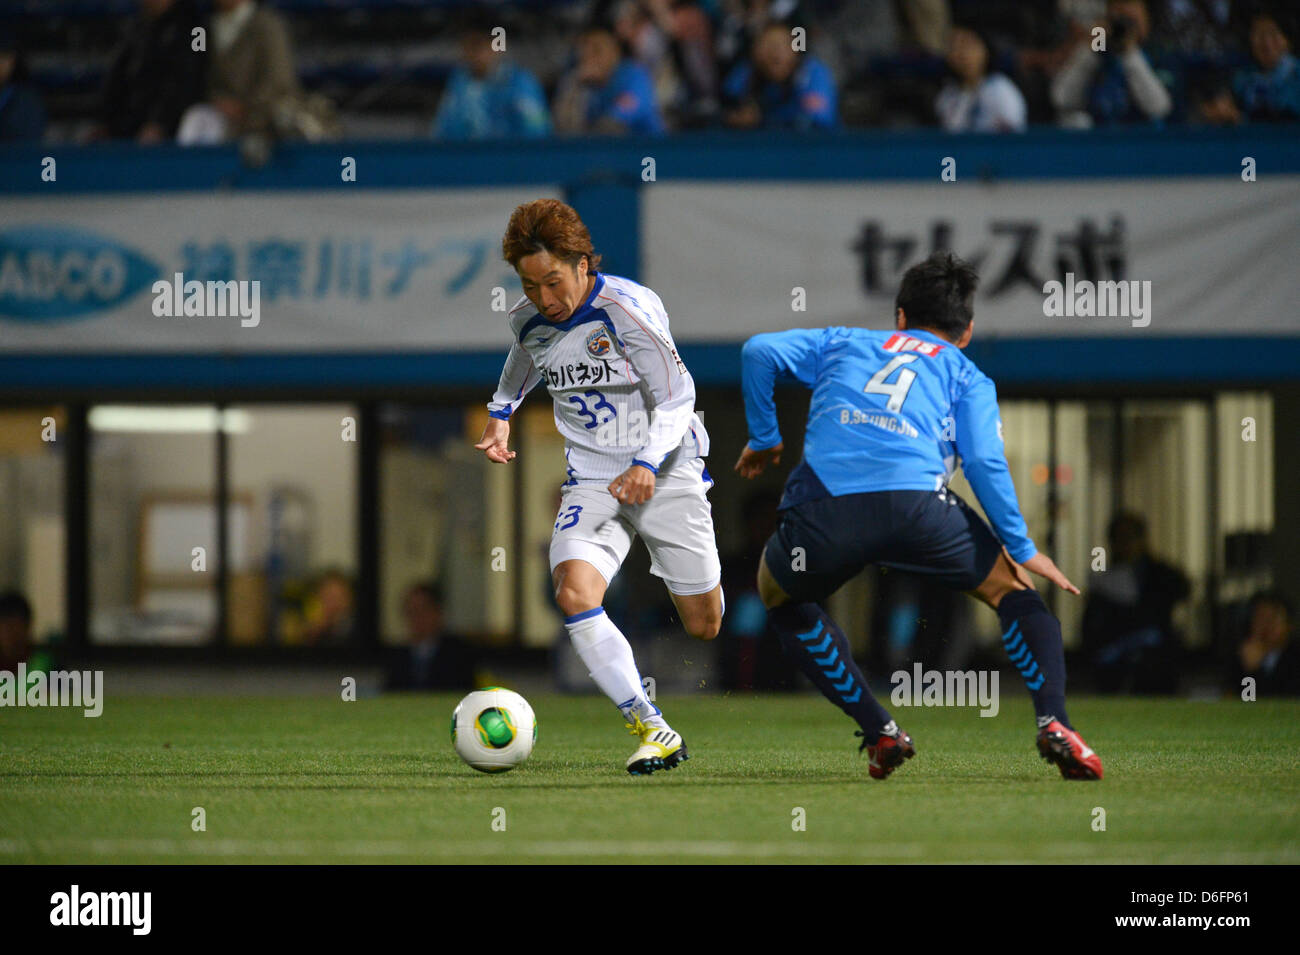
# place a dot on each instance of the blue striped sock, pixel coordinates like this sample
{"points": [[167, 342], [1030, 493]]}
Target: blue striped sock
{"points": [[814, 641], [1032, 639]]}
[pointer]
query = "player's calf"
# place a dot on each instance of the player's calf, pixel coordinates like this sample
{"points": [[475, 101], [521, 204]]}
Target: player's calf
{"points": [[816, 643], [1031, 635]]}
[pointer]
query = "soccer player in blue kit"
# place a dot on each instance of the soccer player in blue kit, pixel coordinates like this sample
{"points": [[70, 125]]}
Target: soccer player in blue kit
{"points": [[891, 414]]}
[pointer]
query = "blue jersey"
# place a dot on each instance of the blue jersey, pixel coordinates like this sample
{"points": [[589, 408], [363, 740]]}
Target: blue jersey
{"points": [[807, 101], [891, 411], [1274, 95], [628, 97], [509, 102]]}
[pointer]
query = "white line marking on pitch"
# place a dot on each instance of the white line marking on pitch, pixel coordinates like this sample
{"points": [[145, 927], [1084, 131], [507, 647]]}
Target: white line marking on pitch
{"points": [[201, 847]]}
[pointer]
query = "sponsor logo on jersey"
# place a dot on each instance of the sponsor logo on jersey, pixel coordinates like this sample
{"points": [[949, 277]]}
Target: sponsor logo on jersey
{"points": [[681, 365], [898, 342], [672, 350], [598, 344]]}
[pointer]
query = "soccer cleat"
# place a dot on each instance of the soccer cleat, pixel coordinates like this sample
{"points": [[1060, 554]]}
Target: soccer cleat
{"points": [[661, 748], [1063, 746], [888, 752]]}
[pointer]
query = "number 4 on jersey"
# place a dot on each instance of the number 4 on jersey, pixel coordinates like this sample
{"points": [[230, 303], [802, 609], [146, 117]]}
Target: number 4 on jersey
{"points": [[897, 391]]}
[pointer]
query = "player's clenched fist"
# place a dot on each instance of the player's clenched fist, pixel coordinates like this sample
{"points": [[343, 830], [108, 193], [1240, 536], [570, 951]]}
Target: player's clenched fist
{"points": [[636, 485], [752, 463], [495, 437]]}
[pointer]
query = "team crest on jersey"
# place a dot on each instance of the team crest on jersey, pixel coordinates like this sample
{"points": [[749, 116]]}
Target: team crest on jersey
{"points": [[598, 343]]}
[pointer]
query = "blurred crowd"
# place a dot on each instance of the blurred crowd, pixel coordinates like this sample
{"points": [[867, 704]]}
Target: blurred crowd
{"points": [[460, 71]]}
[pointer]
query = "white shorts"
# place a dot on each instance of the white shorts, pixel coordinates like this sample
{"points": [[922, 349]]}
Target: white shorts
{"points": [[676, 525]]}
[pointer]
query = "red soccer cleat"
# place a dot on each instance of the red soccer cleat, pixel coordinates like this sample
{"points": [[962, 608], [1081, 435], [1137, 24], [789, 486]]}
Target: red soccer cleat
{"points": [[1066, 748], [888, 752]]}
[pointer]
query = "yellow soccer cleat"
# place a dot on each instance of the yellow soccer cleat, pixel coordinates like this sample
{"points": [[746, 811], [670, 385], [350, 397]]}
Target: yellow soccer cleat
{"points": [[661, 748]]}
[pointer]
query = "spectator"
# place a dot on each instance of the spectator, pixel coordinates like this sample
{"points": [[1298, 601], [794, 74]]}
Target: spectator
{"points": [[432, 658], [22, 117], [928, 24], [1080, 14], [15, 630], [1270, 91], [674, 42], [155, 74], [1045, 39], [1198, 29], [780, 88], [330, 611], [251, 82], [977, 100], [1128, 629], [851, 33], [604, 93], [741, 21], [1268, 654], [1117, 85], [488, 97]]}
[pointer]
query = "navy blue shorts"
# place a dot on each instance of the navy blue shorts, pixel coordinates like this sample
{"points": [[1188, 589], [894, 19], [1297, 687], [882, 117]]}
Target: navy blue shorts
{"points": [[934, 533]]}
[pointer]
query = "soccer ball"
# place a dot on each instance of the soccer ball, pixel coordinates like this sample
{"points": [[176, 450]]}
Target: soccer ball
{"points": [[493, 729]]}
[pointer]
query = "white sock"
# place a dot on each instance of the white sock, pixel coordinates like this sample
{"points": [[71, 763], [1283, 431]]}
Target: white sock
{"points": [[608, 656]]}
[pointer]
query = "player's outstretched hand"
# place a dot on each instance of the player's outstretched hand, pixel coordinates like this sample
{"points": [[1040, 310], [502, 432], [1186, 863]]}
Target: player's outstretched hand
{"points": [[636, 485], [1043, 566], [752, 463], [495, 438]]}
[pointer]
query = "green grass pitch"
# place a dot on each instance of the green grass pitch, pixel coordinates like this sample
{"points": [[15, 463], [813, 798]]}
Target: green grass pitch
{"points": [[313, 780]]}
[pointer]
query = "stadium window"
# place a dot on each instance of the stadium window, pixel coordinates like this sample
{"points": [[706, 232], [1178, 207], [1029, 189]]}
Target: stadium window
{"points": [[293, 494], [450, 516], [1166, 479], [1244, 514], [32, 475], [1085, 489], [153, 504]]}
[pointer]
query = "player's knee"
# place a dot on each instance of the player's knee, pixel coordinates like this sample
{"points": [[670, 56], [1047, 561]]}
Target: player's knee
{"points": [[1003, 579], [704, 626], [574, 600], [769, 591]]}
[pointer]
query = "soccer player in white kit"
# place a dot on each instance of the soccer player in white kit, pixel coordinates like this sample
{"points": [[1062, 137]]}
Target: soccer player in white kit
{"points": [[634, 447]]}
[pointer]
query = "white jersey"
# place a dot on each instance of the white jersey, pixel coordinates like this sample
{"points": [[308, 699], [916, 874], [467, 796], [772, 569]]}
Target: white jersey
{"points": [[995, 106], [622, 395]]}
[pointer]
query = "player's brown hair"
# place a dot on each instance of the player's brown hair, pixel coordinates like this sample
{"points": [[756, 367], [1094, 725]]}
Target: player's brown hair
{"points": [[548, 225]]}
